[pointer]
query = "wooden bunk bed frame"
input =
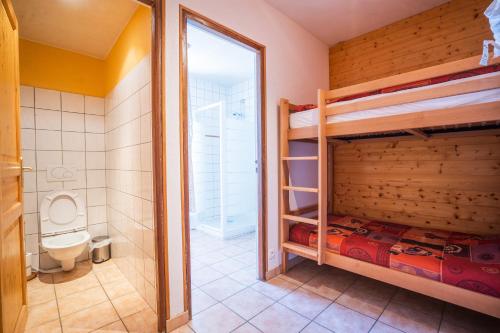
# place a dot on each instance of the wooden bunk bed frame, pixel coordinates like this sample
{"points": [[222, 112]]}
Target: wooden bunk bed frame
{"points": [[327, 134]]}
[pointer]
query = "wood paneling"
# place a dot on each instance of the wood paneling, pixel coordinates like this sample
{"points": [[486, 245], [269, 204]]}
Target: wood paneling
{"points": [[452, 31], [449, 183]]}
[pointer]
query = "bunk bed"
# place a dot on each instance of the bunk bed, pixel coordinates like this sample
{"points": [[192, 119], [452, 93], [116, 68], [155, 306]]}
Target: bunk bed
{"points": [[454, 96]]}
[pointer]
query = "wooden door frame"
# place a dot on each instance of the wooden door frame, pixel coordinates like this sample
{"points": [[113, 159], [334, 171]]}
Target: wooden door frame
{"points": [[185, 14], [159, 159]]}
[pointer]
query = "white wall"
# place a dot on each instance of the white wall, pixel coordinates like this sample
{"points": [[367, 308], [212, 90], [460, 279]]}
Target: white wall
{"points": [[296, 66], [60, 128]]}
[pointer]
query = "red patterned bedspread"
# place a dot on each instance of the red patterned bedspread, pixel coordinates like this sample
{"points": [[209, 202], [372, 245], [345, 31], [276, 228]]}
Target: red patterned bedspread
{"points": [[463, 260]]}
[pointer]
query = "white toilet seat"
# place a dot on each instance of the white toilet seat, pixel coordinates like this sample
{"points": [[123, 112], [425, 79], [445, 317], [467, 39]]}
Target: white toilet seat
{"points": [[61, 212], [65, 240]]}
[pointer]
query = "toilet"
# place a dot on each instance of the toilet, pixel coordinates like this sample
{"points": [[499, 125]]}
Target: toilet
{"points": [[63, 227]]}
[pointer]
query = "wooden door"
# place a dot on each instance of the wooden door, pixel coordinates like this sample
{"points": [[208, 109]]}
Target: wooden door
{"points": [[12, 268]]}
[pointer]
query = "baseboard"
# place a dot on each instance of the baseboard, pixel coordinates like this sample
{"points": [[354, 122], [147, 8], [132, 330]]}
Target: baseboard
{"points": [[177, 321], [273, 272]]}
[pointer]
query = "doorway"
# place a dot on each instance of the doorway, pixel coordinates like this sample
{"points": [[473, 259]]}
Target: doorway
{"points": [[223, 166], [74, 139]]}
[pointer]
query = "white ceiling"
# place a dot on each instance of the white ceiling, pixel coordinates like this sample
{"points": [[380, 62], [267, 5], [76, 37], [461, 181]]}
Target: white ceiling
{"points": [[217, 58], [88, 27], [333, 21]]}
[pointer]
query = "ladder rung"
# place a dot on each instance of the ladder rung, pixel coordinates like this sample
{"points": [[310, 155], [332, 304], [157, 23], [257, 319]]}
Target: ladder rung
{"points": [[300, 219], [300, 158], [301, 250], [300, 189]]}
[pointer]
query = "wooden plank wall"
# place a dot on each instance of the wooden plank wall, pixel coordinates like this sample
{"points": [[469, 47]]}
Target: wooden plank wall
{"points": [[443, 182], [452, 31]]}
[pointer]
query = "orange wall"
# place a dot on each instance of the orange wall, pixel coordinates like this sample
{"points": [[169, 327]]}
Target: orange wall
{"points": [[133, 45], [53, 68]]}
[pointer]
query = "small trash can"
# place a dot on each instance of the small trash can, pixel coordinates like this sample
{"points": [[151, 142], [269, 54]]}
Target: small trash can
{"points": [[101, 249]]}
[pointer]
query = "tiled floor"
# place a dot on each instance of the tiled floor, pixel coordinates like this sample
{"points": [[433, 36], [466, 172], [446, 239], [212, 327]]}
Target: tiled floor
{"points": [[310, 299], [91, 298]]}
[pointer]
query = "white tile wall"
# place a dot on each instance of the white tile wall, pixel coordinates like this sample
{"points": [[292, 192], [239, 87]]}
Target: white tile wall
{"points": [[94, 105], [238, 154], [73, 122], [72, 102], [47, 99], [27, 96], [27, 117], [47, 120], [48, 140], [54, 132], [129, 178]]}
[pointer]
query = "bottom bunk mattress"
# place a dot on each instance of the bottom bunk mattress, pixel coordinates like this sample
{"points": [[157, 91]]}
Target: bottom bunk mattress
{"points": [[463, 260]]}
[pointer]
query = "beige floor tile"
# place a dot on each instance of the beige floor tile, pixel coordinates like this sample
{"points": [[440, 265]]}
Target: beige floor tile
{"points": [[247, 328], [210, 258], [247, 258], [196, 265], [374, 287], [305, 302], [129, 304], [232, 251], [118, 288], [380, 327], [275, 288], [315, 328], [109, 274], [470, 320], [249, 244], [303, 272], [81, 269], [330, 283], [201, 301], [341, 319], [217, 319], [228, 266], [279, 319], [408, 319], [104, 265], [42, 313], [40, 294], [144, 321], [90, 319], [183, 329], [365, 303], [418, 302], [42, 280], [204, 276], [115, 327], [246, 276], [247, 303], [50, 327], [446, 327], [81, 300], [222, 288], [82, 283]]}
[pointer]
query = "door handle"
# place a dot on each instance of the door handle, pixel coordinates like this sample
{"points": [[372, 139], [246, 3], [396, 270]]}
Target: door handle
{"points": [[27, 168]]}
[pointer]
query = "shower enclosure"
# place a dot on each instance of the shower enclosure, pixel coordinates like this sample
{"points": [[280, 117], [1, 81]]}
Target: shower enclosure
{"points": [[223, 177]]}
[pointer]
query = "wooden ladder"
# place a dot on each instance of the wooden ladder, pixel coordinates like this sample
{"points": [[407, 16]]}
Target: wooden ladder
{"points": [[286, 216]]}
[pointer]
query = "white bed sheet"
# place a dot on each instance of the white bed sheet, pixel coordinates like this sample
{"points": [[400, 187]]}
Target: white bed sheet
{"points": [[310, 117]]}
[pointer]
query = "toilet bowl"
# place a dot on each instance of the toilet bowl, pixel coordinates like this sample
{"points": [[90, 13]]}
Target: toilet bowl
{"points": [[63, 227]]}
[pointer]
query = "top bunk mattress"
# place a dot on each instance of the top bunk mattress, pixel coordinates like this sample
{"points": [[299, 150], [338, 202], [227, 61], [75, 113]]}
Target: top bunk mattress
{"points": [[310, 117]]}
